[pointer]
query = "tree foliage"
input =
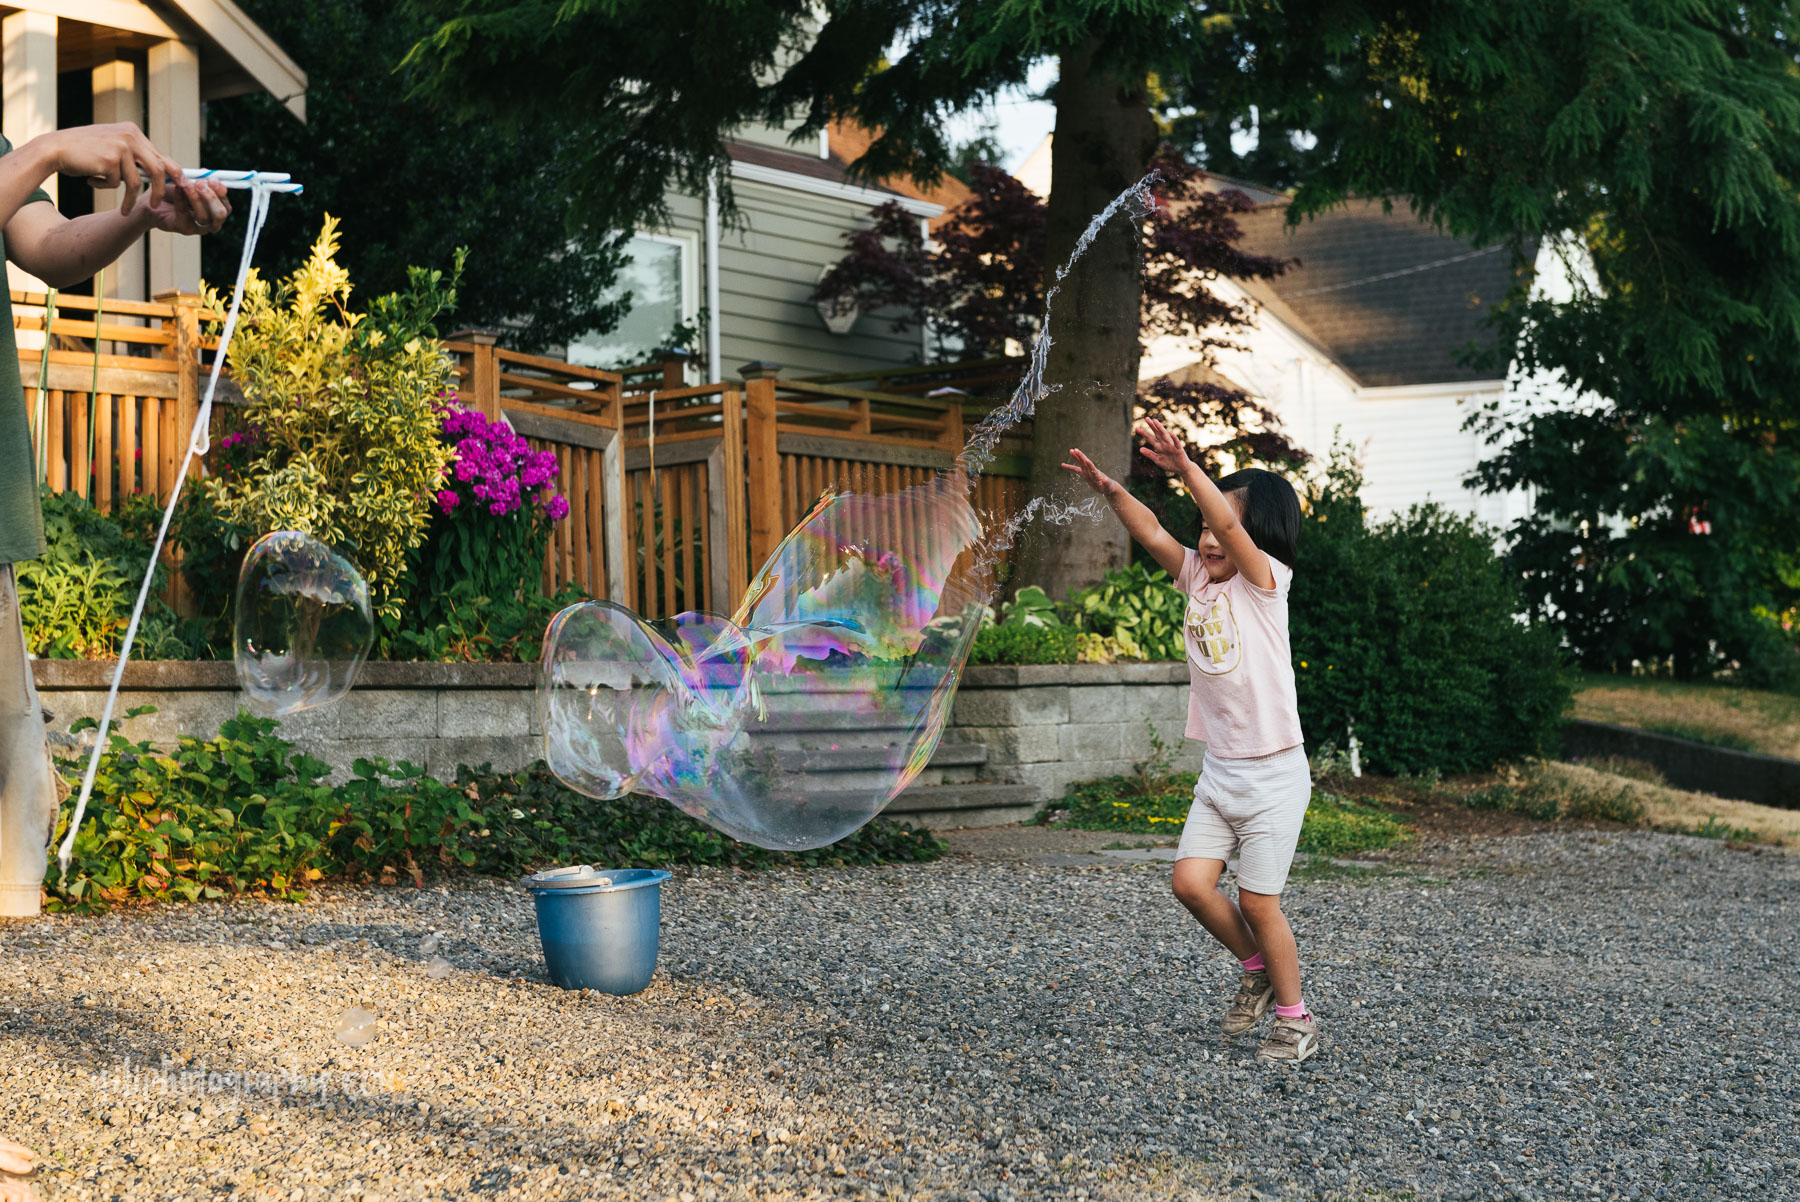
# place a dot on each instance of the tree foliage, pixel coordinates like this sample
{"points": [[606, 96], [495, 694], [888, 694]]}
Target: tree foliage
{"points": [[656, 84], [410, 185], [1660, 134], [657, 87], [1662, 138]]}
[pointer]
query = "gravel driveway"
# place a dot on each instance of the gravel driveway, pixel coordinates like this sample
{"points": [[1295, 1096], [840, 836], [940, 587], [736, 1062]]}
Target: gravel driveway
{"points": [[1543, 1016]]}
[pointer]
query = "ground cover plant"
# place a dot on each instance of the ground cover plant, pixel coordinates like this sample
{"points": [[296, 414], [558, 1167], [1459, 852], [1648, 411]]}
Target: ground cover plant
{"points": [[1132, 614], [1152, 800], [1610, 791], [1334, 825], [1725, 714], [244, 813], [76, 598]]}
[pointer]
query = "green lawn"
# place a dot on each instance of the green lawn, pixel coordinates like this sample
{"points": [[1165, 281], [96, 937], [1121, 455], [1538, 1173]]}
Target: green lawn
{"points": [[1745, 719]]}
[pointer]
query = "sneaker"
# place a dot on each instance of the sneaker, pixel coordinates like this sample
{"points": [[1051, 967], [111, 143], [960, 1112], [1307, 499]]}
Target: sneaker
{"points": [[1290, 1040], [1254, 997]]}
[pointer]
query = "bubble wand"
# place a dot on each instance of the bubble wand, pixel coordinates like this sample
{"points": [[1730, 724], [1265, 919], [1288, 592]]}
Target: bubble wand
{"points": [[272, 181], [261, 186]]}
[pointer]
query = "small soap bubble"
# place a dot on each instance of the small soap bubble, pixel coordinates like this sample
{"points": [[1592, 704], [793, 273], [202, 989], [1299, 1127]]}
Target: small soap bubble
{"points": [[303, 624], [429, 944], [356, 1026], [439, 968]]}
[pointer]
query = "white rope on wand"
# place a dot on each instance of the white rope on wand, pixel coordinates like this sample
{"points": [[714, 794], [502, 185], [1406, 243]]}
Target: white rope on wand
{"points": [[273, 181], [198, 443]]}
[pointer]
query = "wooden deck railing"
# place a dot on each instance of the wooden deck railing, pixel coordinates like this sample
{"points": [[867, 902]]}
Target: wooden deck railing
{"points": [[676, 492]]}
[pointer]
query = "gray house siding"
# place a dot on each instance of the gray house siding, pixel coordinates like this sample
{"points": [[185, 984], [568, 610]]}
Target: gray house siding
{"points": [[770, 257]]}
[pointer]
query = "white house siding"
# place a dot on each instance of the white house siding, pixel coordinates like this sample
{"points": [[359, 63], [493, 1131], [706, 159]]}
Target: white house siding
{"points": [[769, 263], [1410, 440]]}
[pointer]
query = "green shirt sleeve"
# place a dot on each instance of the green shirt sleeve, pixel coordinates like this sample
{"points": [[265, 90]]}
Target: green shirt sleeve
{"points": [[21, 523], [40, 194]]}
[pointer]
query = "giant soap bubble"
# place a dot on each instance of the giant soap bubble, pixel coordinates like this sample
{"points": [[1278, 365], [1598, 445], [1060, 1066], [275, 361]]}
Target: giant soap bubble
{"points": [[302, 624], [792, 723]]}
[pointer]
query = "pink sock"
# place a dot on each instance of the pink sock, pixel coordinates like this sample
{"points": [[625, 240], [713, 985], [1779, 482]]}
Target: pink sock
{"points": [[1297, 1010], [1253, 964]]}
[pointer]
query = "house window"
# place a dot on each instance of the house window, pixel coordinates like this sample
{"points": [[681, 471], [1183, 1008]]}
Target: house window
{"points": [[659, 275]]}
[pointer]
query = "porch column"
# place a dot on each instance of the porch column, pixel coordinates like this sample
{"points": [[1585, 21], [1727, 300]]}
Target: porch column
{"points": [[119, 97], [174, 126], [28, 61]]}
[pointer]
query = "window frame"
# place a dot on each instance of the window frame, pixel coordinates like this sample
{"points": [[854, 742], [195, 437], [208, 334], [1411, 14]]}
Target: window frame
{"points": [[687, 243]]}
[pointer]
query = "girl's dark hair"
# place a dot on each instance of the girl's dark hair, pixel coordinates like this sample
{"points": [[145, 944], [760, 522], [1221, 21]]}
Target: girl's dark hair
{"points": [[1271, 511]]}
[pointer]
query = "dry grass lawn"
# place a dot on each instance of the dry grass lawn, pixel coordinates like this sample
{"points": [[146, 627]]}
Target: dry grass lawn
{"points": [[1746, 718], [1669, 808]]}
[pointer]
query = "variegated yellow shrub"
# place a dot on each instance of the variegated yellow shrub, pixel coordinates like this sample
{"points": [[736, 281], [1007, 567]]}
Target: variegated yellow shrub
{"points": [[344, 408]]}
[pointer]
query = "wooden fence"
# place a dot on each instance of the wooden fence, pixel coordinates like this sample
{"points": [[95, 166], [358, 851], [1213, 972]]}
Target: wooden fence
{"points": [[675, 491]]}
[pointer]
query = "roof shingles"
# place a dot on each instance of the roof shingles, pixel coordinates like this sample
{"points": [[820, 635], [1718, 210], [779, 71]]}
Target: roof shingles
{"points": [[1406, 329]]}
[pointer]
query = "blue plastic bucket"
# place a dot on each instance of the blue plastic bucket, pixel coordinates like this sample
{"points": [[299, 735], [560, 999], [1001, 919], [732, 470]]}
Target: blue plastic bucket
{"points": [[599, 928]]}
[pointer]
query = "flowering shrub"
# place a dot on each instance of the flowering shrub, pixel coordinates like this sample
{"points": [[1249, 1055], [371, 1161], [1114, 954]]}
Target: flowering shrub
{"points": [[477, 580], [495, 468]]}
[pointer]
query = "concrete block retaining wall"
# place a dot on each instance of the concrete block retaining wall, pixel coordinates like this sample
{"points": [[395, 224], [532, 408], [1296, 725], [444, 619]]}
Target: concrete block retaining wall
{"points": [[435, 715], [1043, 725], [1046, 725]]}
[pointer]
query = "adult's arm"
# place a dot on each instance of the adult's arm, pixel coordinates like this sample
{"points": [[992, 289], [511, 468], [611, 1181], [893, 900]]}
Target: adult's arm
{"points": [[62, 252]]}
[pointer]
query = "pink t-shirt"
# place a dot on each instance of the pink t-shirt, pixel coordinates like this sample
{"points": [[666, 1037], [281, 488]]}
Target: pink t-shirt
{"points": [[1241, 667]]}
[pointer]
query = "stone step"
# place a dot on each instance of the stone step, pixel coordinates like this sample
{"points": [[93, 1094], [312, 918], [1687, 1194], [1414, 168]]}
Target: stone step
{"points": [[859, 766], [856, 758], [958, 805]]}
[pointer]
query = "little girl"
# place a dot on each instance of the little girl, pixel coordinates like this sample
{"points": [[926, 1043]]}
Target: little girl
{"points": [[1254, 785]]}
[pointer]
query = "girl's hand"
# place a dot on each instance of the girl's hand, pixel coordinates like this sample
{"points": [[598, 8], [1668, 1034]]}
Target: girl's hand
{"points": [[1164, 449], [1090, 475]]}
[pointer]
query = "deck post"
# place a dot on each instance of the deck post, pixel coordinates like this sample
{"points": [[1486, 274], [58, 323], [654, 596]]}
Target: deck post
{"points": [[762, 460], [483, 392]]}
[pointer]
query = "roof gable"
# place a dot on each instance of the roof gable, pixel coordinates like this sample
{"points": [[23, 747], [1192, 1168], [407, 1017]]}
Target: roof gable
{"points": [[1393, 300]]}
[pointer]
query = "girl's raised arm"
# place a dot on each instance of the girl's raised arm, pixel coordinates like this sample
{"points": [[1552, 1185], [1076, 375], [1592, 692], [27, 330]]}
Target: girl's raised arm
{"points": [[1140, 523], [1165, 451]]}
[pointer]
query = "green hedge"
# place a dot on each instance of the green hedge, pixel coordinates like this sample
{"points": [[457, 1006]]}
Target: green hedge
{"points": [[244, 813], [1408, 630]]}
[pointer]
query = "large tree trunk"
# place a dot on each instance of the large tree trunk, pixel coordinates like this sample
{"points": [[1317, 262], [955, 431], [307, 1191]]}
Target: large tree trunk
{"points": [[1104, 139]]}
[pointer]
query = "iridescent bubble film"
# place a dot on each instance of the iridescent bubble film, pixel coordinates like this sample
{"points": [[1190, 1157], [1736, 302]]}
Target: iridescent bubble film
{"points": [[302, 624], [793, 722]]}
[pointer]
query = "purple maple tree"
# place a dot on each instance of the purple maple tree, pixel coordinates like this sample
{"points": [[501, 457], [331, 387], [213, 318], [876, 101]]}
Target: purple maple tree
{"points": [[981, 285]]}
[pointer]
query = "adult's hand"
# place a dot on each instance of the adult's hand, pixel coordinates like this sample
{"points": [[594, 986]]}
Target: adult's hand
{"points": [[190, 206], [110, 155]]}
